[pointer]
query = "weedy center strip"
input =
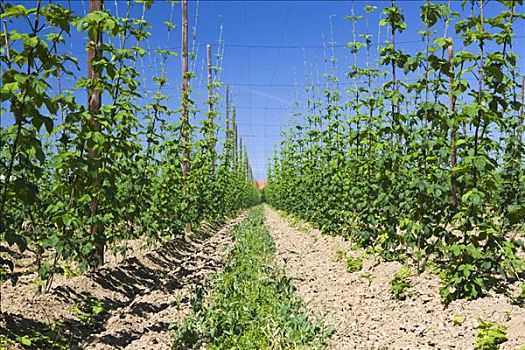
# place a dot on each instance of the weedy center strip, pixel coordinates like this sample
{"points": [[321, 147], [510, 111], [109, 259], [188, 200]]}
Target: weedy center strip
{"points": [[251, 305]]}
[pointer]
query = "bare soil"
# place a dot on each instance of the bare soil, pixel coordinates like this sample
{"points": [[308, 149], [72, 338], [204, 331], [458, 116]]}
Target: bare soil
{"points": [[140, 297], [360, 304]]}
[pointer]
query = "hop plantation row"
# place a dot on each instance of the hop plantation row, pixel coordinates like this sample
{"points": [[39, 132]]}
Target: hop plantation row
{"points": [[77, 177], [429, 167]]}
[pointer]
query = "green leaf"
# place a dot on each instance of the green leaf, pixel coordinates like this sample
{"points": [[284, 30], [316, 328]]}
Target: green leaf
{"points": [[14, 11], [24, 340], [443, 42]]}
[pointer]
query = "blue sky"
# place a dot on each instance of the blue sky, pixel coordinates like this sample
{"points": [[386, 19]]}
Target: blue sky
{"points": [[270, 49]]}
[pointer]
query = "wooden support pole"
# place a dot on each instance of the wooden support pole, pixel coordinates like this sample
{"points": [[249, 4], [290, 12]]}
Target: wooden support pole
{"points": [[227, 113], [240, 155], [94, 105], [520, 127], [235, 149], [185, 122], [247, 165], [210, 104], [480, 87], [453, 131]]}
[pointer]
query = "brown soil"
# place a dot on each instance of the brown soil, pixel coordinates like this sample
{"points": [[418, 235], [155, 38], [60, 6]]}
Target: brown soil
{"points": [[360, 304], [140, 297]]}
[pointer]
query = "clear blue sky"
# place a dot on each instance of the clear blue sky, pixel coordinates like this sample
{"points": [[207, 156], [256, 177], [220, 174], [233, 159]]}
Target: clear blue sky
{"points": [[270, 47]]}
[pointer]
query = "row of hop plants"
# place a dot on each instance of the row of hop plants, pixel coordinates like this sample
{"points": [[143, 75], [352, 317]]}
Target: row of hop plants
{"points": [[429, 167], [75, 181]]}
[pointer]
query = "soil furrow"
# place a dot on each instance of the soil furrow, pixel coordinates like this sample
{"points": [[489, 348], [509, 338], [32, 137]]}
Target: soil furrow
{"points": [[144, 322], [360, 304], [140, 298]]}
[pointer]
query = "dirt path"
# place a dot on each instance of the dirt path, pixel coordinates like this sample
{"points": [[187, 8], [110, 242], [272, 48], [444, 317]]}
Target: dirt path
{"points": [[141, 297], [360, 306]]}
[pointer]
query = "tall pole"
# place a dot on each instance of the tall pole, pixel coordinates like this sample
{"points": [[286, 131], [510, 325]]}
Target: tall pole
{"points": [[247, 165], [394, 78], [240, 157], [240, 151], [227, 121], [520, 127], [480, 87], [210, 103], [227, 110], [234, 126], [185, 123], [453, 132], [94, 105]]}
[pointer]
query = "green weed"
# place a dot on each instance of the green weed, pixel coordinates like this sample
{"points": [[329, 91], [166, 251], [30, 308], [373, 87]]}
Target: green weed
{"points": [[52, 338], [252, 306], [354, 264], [400, 284], [89, 309], [490, 335], [458, 321]]}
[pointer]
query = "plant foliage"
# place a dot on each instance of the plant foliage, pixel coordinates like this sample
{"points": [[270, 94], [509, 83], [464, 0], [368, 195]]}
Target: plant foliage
{"points": [[430, 165], [74, 180]]}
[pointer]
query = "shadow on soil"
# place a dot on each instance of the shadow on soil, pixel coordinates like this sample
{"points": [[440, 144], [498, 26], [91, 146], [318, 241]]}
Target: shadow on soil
{"points": [[165, 271]]}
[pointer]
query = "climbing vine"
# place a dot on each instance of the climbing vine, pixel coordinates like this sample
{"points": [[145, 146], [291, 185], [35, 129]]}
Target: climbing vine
{"points": [[428, 167], [77, 178]]}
